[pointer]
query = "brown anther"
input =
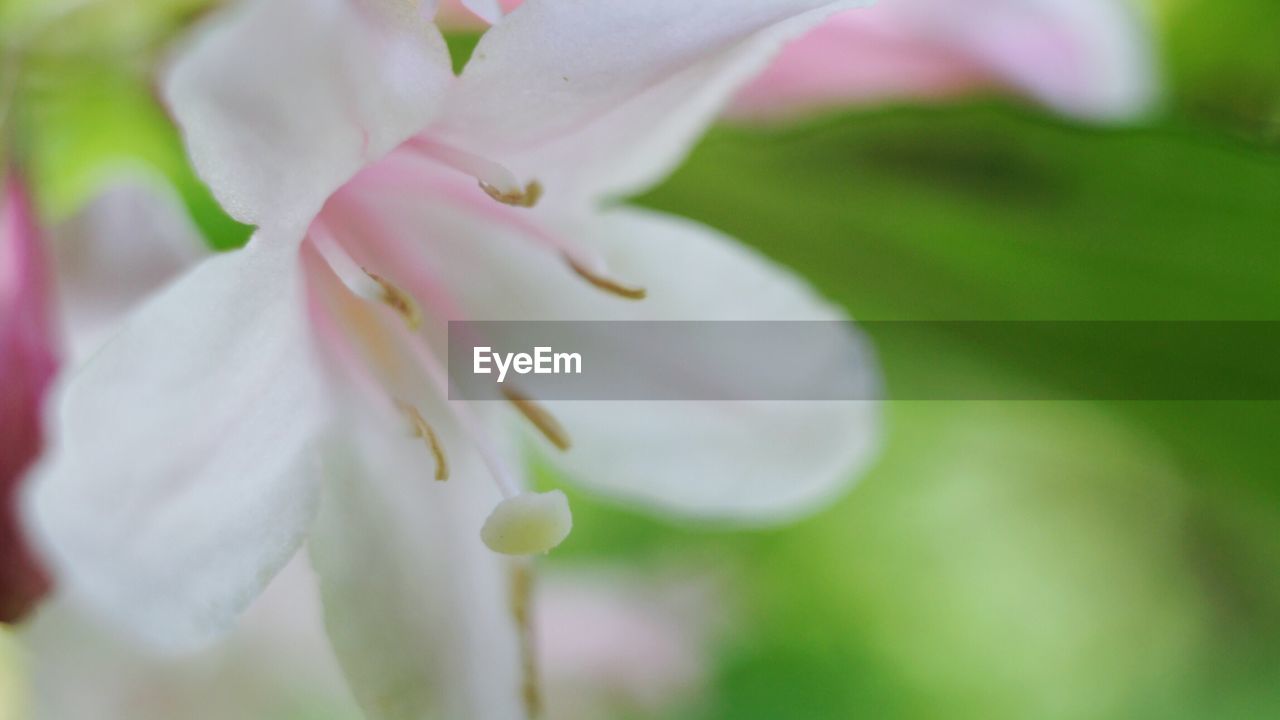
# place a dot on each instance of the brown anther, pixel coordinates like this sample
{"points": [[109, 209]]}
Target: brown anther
{"points": [[608, 284], [399, 300], [544, 421], [422, 429], [526, 198]]}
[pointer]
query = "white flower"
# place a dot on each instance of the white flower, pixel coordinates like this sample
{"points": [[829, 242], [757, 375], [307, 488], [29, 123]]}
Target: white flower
{"points": [[190, 453]]}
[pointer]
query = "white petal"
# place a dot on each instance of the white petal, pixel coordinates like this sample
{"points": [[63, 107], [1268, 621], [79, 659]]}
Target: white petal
{"points": [[181, 477], [605, 97], [737, 460], [281, 101], [124, 245], [417, 608]]}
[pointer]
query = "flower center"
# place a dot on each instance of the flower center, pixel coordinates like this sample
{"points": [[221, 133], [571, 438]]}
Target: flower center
{"points": [[381, 321], [501, 184]]}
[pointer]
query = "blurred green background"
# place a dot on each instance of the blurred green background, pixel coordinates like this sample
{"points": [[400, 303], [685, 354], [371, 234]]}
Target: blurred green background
{"points": [[1003, 560]]}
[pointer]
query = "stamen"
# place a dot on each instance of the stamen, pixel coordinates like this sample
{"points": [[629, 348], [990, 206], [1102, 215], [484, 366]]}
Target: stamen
{"points": [[582, 260], [497, 181], [439, 379], [544, 421], [422, 429], [526, 197], [399, 300], [603, 282], [362, 282], [350, 272]]}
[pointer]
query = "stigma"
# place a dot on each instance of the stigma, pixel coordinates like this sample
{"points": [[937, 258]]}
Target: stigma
{"points": [[528, 524]]}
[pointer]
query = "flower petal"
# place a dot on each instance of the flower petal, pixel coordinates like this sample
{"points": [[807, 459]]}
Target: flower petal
{"points": [[736, 460], [281, 101], [180, 477], [604, 98], [131, 239], [417, 608], [1090, 58], [28, 361]]}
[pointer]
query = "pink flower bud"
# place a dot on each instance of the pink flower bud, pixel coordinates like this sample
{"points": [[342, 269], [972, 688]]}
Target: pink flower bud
{"points": [[27, 363]]}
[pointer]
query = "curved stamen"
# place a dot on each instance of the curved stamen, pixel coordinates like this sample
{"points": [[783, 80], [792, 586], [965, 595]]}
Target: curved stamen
{"points": [[362, 282], [604, 282], [399, 300], [538, 416], [422, 429], [470, 425], [350, 272], [496, 180]]}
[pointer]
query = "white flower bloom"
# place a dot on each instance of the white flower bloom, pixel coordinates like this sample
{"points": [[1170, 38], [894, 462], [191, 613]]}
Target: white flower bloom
{"points": [[190, 453]]}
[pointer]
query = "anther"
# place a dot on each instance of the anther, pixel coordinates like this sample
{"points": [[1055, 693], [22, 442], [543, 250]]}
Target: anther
{"points": [[399, 300], [525, 197], [603, 282], [538, 416], [422, 429], [361, 281], [496, 180]]}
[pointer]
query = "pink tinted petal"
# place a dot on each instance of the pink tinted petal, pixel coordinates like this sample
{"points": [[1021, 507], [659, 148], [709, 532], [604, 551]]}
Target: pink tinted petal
{"points": [[856, 57], [1089, 58], [27, 365], [609, 641], [472, 14]]}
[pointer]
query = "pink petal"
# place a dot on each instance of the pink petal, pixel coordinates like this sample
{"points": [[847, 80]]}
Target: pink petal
{"points": [[28, 361], [1089, 58], [602, 99], [469, 14]]}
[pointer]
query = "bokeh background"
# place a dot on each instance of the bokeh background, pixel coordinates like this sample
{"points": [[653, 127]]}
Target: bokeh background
{"points": [[1003, 559]]}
